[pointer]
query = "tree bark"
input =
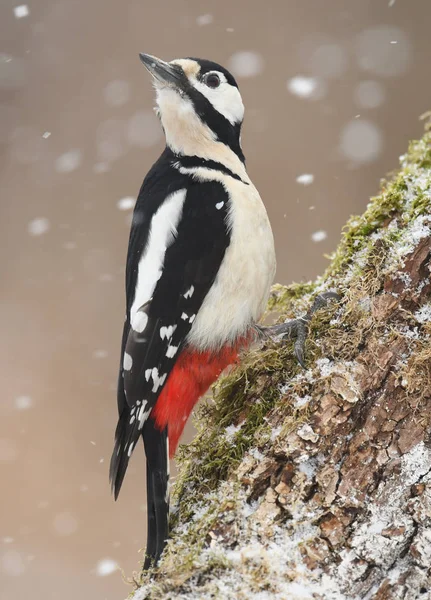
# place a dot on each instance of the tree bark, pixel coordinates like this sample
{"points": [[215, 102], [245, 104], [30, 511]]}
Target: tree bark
{"points": [[317, 483]]}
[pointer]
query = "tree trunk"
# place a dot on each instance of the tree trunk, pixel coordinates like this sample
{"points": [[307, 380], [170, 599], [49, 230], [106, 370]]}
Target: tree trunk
{"points": [[317, 483]]}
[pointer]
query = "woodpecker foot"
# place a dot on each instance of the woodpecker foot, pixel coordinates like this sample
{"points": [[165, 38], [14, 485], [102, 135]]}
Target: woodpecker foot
{"points": [[297, 329]]}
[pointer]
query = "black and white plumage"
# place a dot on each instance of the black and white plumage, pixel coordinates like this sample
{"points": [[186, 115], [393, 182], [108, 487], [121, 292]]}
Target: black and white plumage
{"points": [[199, 268]]}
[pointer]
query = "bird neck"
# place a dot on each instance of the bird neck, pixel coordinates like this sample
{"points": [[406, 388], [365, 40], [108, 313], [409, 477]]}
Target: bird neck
{"points": [[187, 135]]}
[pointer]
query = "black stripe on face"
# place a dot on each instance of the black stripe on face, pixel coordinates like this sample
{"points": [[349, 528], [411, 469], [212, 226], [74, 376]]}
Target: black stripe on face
{"points": [[226, 133], [190, 162], [224, 130]]}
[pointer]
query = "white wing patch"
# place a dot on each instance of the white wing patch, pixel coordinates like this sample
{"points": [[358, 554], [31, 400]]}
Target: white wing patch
{"points": [[219, 205], [162, 230], [184, 317]]}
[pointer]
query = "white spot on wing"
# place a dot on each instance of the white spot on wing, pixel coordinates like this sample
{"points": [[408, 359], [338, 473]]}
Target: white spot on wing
{"points": [[171, 351], [143, 414], [158, 381], [127, 362], [130, 450], [189, 292], [147, 374], [167, 332], [192, 318], [219, 205], [184, 317], [139, 321]]}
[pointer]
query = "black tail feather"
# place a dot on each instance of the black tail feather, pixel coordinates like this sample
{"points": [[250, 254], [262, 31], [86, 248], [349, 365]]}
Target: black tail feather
{"points": [[156, 449], [126, 437]]}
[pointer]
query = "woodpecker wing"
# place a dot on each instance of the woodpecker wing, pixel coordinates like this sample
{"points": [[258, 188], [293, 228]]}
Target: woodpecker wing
{"points": [[176, 247]]}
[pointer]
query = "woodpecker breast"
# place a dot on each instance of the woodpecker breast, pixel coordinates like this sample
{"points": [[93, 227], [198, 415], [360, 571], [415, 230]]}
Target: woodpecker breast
{"points": [[240, 292]]}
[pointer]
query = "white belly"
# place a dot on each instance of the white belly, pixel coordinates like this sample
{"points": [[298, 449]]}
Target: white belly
{"points": [[240, 292]]}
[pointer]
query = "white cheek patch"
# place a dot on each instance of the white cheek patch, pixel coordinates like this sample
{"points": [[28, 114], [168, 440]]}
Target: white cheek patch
{"points": [[226, 99]]}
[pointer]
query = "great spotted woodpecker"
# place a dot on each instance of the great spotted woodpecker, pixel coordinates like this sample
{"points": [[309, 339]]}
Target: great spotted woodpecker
{"points": [[199, 268]]}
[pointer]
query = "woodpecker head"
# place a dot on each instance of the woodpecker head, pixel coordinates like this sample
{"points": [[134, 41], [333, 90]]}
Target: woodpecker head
{"points": [[198, 103]]}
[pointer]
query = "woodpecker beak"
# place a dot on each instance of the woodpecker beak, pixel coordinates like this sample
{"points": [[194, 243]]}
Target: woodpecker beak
{"points": [[162, 71]]}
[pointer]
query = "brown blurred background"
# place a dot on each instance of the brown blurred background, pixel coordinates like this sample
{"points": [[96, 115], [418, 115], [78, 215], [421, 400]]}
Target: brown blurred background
{"points": [[332, 90]]}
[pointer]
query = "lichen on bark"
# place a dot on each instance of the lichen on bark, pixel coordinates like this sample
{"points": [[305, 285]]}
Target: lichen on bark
{"points": [[317, 483]]}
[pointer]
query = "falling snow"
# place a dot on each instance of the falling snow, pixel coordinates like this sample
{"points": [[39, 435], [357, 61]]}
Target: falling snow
{"points": [[126, 203], [369, 94], [305, 87], [12, 563], [65, 523], [328, 60], [68, 162], [8, 450], [106, 566], [305, 179], [204, 20], [116, 93], [143, 129], [361, 141], [38, 226], [21, 11], [319, 236], [246, 64], [377, 55], [23, 402]]}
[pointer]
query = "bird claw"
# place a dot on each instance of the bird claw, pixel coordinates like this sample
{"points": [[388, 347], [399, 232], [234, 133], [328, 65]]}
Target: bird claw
{"points": [[297, 329]]}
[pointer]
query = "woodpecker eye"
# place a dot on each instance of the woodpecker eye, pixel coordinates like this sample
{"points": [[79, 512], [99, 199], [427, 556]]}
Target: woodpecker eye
{"points": [[212, 80]]}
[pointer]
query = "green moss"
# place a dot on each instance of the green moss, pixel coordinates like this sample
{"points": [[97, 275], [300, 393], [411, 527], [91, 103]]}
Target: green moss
{"points": [[282, 296]]}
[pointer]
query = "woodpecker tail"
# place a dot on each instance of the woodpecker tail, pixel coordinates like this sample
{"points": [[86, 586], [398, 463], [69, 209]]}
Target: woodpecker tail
{"points": [[126, 436], [157, 451]]}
